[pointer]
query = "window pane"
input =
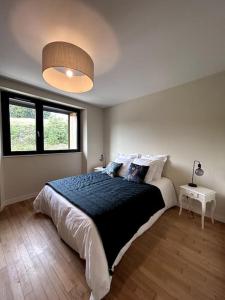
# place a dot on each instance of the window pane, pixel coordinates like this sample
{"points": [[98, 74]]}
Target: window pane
{"points": [[56, 130], [22, 127]]}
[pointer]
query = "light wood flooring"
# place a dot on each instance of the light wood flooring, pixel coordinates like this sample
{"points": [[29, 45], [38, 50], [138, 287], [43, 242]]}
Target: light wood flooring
{"points": [[175, 259]]}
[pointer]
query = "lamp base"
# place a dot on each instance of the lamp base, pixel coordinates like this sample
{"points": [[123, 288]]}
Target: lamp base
{"points": [[192, 184]]}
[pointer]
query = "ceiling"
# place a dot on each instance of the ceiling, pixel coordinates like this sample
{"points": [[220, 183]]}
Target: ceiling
{"points": [[138, 47]]}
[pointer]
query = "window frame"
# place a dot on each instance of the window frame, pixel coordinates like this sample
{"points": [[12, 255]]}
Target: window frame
{"points": [[39, 107]]}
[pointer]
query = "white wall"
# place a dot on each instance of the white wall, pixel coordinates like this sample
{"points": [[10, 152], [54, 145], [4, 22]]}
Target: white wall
{"points": [[187, 122], [23, 176]]}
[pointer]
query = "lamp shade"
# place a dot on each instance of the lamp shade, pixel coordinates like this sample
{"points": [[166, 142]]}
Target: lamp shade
{"points": [[67, 67], [199, 171]]}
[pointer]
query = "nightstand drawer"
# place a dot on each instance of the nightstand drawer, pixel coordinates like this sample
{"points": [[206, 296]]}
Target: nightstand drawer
{"points": [[191, 194]]}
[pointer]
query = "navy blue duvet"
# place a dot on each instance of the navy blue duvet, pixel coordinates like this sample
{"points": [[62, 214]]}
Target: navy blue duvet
{"points": [[118, 207]]}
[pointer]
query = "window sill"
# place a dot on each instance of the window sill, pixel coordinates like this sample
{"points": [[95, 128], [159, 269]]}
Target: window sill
{"points": [[40, 154]]}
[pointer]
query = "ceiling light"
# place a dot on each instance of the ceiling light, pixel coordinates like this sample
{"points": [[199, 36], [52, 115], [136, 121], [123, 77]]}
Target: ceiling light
{"points": [[69, 73], [67, 67]]}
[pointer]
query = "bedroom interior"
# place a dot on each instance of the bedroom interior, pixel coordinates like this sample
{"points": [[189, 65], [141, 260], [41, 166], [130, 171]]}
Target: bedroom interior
{"points": [[112, 150]]}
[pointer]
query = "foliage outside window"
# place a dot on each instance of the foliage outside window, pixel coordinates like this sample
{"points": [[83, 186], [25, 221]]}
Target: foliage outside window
{"points": [[22, 128], [34, 126], [56, 131]]}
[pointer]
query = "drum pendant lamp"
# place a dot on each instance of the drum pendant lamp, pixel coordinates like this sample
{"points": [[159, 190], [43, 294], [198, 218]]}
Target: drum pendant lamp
{"points": [[67, 67]]}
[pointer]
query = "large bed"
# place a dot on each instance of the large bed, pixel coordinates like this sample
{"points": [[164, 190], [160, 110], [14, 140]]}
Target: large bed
{"points": [[80, 232]]}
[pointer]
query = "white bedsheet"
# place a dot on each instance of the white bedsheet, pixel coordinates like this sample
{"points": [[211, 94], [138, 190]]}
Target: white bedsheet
{"points": [[79, 232]]}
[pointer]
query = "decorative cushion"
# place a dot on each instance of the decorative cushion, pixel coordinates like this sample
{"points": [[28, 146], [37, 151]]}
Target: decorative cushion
{"points": [[136, 173], [125, 165], [155, 168], [126, 160], [112, 168]]}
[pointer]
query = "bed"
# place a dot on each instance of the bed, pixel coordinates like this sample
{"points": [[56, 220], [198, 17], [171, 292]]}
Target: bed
{"points": [[79, 230]]}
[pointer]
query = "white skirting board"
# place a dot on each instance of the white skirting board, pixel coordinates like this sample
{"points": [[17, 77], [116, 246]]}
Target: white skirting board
{"points": [[17, 199], [195, 207]]}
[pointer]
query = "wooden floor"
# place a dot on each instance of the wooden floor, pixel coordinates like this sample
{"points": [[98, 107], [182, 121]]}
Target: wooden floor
{"points": [[175, 259]]}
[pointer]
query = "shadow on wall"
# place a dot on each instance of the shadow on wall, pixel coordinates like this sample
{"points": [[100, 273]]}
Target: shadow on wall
{"points": [[44, 27], [179, 175], [84, 164]]}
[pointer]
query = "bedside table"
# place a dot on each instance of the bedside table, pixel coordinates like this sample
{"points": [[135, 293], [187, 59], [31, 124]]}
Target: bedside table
{"points": [[200, 194], [98, 169]]}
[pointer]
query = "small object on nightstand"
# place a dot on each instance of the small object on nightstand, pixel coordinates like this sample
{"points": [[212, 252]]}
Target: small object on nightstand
{"points": [[98, 169], [198, 172], [102, 160], [200, 194]]}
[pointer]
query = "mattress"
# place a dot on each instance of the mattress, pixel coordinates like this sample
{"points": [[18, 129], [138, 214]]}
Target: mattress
{"points": [[79, 231]]}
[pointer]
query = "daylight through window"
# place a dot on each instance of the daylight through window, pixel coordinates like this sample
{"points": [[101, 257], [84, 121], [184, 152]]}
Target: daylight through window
{"points": [[35, 126]]}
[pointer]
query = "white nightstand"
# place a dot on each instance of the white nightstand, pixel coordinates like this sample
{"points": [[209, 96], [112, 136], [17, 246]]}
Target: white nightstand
{"points": [[98, 169], [201, 194]]}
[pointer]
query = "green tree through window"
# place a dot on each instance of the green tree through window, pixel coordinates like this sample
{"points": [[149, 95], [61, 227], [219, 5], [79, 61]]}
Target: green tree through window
{"points": [[34, 126]]}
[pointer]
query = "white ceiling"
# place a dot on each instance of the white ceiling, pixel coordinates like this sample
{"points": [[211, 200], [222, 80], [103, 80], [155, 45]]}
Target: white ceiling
{"points": [[138, 47]]}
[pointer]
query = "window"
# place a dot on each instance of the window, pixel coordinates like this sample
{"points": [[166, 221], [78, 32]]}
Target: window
{"points": [[34, 126], [60, 129], [22, 126]]}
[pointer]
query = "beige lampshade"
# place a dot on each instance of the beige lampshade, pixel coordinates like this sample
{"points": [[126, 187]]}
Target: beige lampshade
{"points": [[67, 67]]}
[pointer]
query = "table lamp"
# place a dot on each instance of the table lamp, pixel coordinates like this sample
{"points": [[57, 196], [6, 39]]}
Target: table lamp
{"points": [[198, 171]]}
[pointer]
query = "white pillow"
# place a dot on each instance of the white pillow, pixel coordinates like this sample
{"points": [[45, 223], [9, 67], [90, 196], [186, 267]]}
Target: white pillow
{"points": [[126, 163], [155, 171], [142, 161], [155, 168], [132, 155], [162, 157]]}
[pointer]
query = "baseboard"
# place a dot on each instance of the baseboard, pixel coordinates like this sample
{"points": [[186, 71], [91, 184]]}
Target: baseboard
{"points": [[197, 210], [220, 218], [17, 199]]}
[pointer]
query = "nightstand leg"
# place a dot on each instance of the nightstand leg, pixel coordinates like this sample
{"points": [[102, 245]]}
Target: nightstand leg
{"points": [[180, 203], [189, 203], [203, 213], [213, 210]]}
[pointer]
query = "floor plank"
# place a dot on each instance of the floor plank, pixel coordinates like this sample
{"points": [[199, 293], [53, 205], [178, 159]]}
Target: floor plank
{"points": [[175, 259]]}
